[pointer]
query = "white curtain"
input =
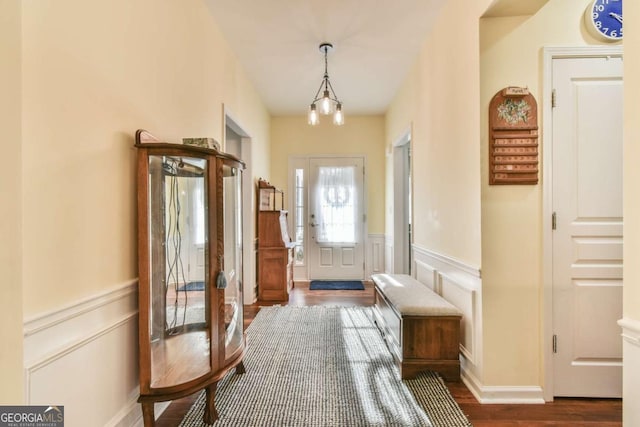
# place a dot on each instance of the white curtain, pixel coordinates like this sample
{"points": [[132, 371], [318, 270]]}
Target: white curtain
{"points": [[336, 200]]}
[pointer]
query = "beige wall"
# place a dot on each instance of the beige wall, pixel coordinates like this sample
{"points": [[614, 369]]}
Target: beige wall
{"points": [[362, 135], [92, 75], [631, 197], [439, 99], [450, 169], [10, 205], [511, 215], [631, 156]]}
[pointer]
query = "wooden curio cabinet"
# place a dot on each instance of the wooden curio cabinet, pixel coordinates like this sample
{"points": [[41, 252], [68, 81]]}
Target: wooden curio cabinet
{"points": [[190, 271]]}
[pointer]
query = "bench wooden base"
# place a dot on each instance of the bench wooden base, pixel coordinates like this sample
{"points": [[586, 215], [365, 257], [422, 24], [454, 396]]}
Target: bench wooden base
{"points": [[419, 343]]}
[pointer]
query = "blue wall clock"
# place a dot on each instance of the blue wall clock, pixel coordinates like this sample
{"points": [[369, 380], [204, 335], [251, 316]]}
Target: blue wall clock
{"points": [[603, 19]]}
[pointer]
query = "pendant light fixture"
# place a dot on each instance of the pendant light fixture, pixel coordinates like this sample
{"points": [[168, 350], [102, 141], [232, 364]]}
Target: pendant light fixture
{"points": [[328, 103]]}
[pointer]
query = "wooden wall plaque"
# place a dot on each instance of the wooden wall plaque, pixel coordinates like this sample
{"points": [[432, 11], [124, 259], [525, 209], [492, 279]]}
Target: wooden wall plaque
{"points": [[513, 137]]}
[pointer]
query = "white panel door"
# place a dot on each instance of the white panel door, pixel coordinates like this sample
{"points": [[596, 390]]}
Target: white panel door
{"points": [[587, 240], [336, 218]]}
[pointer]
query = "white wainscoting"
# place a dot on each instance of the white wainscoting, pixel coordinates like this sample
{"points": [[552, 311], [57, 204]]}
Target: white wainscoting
{"points": [[375, 256], [388, 253], [85, 356], [631, 377], [461, 285], [427, 275], [463, 297]]}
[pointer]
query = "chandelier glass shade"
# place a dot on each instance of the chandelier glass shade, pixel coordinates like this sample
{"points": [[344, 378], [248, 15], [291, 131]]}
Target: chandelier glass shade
{"points": [[328, 103]]}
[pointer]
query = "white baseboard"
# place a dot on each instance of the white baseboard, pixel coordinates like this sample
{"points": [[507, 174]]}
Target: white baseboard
{"points": [[631, 377], [502, 394], [84, 356], [130, 414]]}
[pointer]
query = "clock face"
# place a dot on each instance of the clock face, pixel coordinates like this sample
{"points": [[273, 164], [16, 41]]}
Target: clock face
{"points": [[603, 19]]}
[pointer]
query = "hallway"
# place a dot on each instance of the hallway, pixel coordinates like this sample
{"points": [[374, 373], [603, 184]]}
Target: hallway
{"points": [[562, 412]]}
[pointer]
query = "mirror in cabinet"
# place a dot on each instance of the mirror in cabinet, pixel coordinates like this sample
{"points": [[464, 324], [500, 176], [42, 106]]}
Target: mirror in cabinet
{"points": [[190, 271]]}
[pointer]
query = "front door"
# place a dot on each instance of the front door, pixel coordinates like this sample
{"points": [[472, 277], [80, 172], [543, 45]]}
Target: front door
{"points": [[587, 240], [336, 218]]}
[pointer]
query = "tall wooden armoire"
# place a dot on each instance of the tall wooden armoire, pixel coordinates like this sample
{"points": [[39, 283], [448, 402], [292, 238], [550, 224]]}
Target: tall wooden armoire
{"points": [[275, 248]]}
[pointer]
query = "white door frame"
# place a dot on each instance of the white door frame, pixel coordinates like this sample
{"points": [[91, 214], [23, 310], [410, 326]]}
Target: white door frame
{"points": [[549, 54], [300, 271], [401, 252], [249, 293]]}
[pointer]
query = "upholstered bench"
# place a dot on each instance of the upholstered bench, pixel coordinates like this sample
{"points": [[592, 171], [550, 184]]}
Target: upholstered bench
{"points": [[421, 328]]}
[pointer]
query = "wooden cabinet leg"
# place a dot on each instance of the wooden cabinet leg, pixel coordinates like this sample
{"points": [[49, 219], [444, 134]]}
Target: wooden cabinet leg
{"points": [[210, 412], [147, 414], [240, 368]]}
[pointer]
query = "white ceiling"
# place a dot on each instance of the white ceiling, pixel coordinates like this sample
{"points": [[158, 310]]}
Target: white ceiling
{"points": [[375, 44]]}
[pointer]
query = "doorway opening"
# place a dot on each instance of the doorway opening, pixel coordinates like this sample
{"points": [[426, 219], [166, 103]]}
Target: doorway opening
{"points": [[402, 210], [237, 142]]}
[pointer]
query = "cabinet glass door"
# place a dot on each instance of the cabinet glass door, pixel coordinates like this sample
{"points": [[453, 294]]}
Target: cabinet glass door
{"points": [[233, 317], [179, 322]]}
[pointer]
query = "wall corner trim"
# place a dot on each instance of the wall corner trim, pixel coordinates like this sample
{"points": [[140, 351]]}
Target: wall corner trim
{"points": [[630, 330]]}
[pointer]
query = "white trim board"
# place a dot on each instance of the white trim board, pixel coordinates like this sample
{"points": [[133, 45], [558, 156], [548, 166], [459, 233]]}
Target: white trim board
{"points": [[65, 313], [448, 264], [630, 330], [502, 394], [631, 378]]}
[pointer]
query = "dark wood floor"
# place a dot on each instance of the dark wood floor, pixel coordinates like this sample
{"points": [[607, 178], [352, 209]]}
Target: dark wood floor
{"points": [[561, 412]]}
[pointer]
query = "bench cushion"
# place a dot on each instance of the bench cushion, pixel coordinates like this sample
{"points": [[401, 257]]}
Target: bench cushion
{"points": [[412, 298]]}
